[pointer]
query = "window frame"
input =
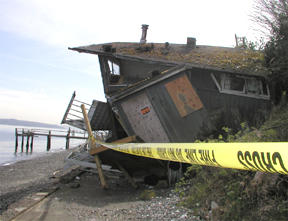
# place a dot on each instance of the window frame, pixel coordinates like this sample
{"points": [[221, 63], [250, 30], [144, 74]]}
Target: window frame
{"points": [[244, 92], [111, 67], [112, 78]]}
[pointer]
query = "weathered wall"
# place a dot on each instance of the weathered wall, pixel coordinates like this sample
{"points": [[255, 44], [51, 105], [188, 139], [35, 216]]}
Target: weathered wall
{"points": [[227, 109], [218, 109], [136, 70]]}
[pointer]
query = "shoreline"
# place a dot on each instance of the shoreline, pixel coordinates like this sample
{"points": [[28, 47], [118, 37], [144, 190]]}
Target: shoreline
{"points": [[7, 145], [30, 156], [23, 156]]}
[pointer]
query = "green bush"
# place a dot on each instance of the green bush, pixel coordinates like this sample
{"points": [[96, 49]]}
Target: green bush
{"points": [[239, 195]]}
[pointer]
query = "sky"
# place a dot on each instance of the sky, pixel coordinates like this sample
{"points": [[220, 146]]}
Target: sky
{"points": [[38, 73]]}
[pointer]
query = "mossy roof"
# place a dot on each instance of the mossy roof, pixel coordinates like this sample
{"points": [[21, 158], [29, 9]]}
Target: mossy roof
{"points": [[233, 59]]}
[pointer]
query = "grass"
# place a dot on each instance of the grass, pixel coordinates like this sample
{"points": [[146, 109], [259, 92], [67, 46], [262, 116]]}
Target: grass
{"points": [[227, 194]]}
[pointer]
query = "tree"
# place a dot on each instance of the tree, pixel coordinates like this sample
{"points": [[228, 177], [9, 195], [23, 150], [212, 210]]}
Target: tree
{"points": [[272, 15]]}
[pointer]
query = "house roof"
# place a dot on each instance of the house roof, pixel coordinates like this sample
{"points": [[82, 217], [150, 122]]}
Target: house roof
{"points": [[224, 58]]}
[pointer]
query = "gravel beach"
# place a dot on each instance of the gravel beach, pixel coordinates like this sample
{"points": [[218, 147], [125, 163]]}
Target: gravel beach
{"points": [[27, 176], [82, 198]]}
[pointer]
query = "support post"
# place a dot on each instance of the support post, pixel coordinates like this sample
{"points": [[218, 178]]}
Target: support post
{"points": [[31, 144], [27, 144], [49, 141], [16, 140], [68, 139], [92, 139], [236, 40], [22, 144]]}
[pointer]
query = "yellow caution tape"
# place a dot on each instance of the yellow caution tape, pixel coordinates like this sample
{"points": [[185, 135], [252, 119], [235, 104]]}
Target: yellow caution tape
{"points": [[266, 157]]}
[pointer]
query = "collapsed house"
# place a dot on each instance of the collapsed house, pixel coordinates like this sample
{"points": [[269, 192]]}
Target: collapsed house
{"points": [[163, 92]]}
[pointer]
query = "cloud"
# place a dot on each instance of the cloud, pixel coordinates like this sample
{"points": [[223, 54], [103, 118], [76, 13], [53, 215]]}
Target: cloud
{"points": [[61, 63], [89, 21], [30, 105], [38, 104], [59, 24], [48, 21]]}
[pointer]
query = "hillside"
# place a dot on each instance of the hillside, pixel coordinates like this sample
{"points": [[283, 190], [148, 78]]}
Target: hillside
{"points": [[227, 194], [24, 123]]}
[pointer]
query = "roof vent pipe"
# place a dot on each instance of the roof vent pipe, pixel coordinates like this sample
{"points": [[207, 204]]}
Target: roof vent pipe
{"points": [[144, 34], [191, 42]]}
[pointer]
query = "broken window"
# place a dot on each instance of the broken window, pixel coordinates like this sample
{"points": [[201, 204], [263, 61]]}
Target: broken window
{"points": [[114, 68], [254, 86], [233, 83], [241, 85]]}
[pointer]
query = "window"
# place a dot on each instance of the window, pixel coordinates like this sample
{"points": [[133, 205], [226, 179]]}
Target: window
{"points": [[241, 85], [254, 86], [114, 68], [233, 83]]}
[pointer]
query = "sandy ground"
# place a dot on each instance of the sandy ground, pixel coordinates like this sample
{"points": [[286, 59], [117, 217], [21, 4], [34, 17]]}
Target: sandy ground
{"points": [[80, 197], [24, 177]]}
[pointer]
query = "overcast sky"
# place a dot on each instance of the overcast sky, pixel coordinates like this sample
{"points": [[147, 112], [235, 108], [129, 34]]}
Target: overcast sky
{"points": [[38, 73]]}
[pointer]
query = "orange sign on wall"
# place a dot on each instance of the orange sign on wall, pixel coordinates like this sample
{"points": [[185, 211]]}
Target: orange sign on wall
{"points": [[184, 96], [145, 110]]}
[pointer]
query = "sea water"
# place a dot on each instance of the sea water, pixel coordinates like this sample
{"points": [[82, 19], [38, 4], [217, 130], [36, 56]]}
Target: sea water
{"points": [[7, 145]]}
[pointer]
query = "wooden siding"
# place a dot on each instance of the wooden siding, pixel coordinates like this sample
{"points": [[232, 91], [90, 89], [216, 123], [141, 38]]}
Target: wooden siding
{"points": [[218, 109]]}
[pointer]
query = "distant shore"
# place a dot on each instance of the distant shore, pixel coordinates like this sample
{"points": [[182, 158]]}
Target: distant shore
{"points": [[25, 123]]}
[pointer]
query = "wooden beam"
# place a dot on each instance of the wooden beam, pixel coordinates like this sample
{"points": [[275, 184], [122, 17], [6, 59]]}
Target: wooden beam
{"points": [[67, 139], [96, 150], [27, 143], [32, 141], [49, 141], [96, 157], [100, 172], [16, 140], [22, 144], [126, 140]]}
